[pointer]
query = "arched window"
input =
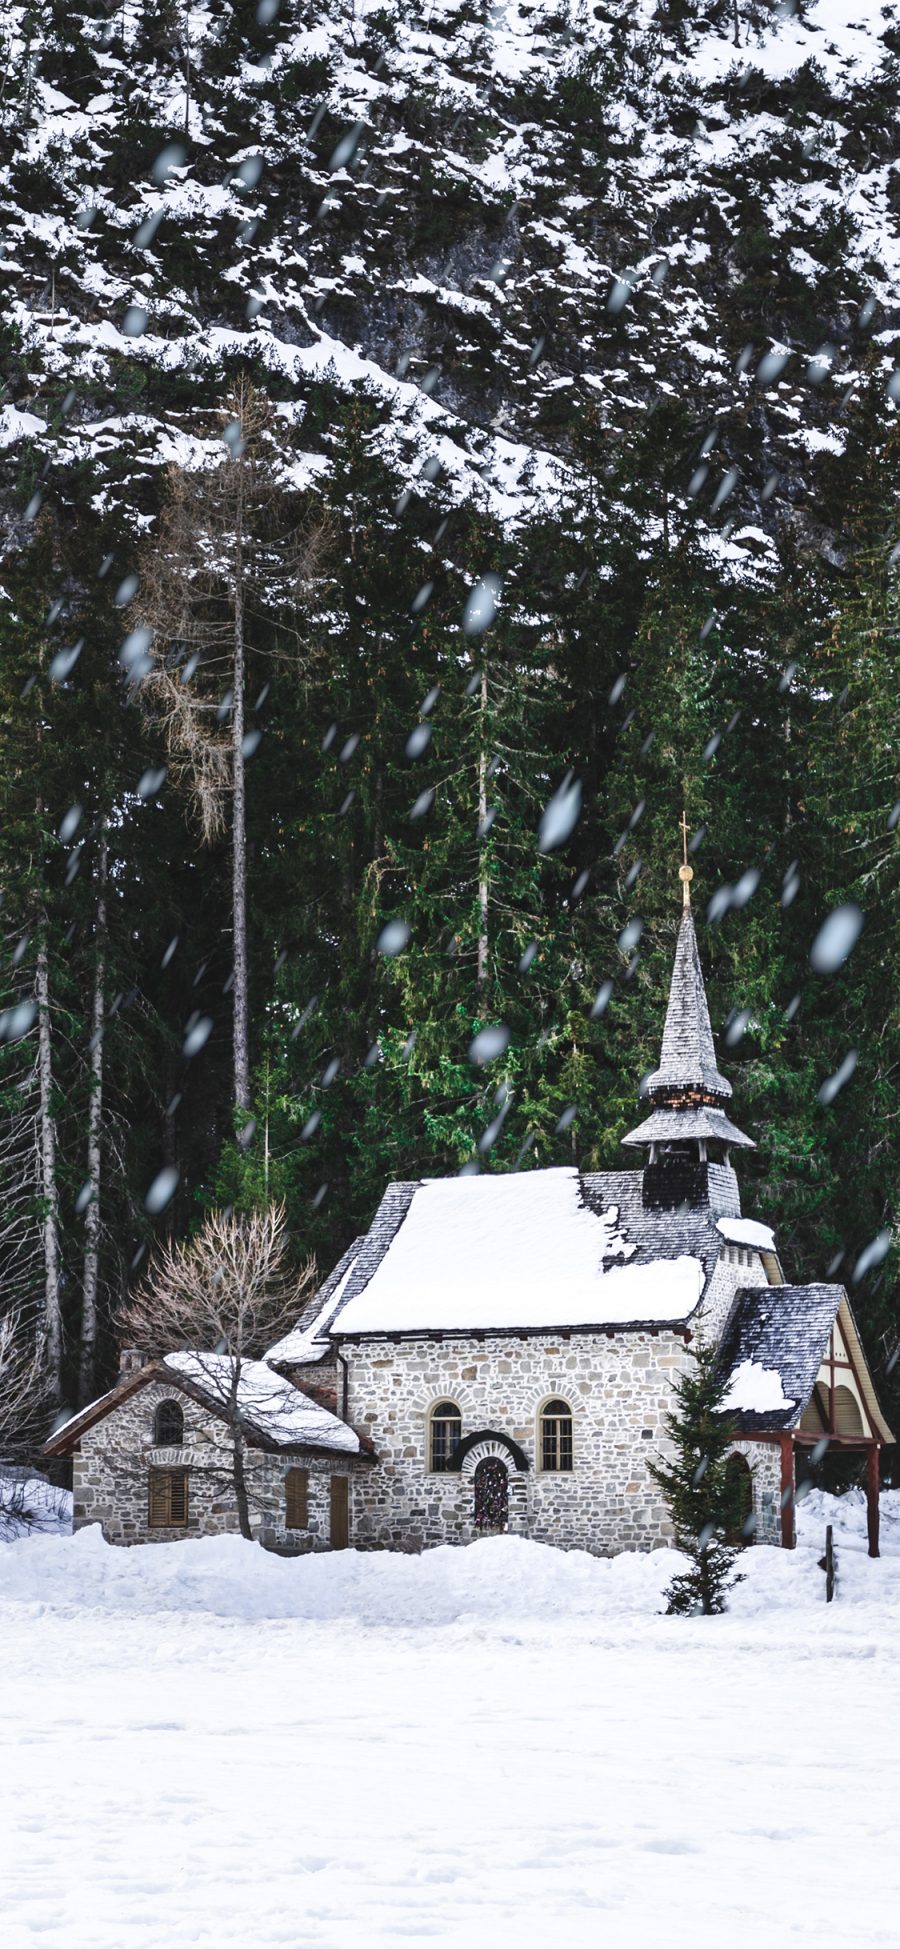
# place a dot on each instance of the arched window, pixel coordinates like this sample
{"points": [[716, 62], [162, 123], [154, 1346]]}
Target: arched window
{"points": [[740, 1484], [445, 1435], [556, 1437], [168, 1425]]}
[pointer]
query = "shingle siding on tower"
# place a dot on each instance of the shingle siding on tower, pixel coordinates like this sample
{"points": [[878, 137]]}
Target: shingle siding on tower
{"points": [[688, 1058]]}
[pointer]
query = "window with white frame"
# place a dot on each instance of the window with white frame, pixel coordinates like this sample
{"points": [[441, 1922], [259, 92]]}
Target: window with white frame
{"points": [[444, 1435], [556, 1438]]}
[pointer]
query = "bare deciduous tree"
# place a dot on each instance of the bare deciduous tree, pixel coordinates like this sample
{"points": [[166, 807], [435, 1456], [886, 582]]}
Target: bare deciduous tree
{"points": [[24, 1396], [224, 1296], [88, 1348], [25, 1408]]}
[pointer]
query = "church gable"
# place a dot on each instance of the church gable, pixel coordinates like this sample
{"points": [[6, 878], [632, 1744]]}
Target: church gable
{"points": [[843, 1402], [792, 1360], [275, 1414]]}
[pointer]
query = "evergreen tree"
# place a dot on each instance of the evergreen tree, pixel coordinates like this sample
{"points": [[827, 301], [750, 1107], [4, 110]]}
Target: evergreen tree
{"points": [[699, 1489]]}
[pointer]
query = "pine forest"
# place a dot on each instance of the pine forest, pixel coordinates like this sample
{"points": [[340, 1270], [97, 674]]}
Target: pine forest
{"points": [[442, 443]]}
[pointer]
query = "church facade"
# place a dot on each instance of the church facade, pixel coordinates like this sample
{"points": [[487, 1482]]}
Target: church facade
{"points": [[499, 1350]]}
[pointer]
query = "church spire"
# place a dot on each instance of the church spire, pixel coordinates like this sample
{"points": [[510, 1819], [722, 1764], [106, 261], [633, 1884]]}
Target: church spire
{"points": [[688, 1091], [688, 1071], [685, 872]]}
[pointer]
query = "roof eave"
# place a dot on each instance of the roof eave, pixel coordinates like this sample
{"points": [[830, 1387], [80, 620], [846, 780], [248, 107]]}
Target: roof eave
{"points": [[735, 1138], [677, 1326], [70, 1435]]}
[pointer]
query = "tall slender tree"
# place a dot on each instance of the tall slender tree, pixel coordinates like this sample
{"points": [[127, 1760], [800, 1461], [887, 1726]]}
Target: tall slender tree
{"points": [[228, 554]]}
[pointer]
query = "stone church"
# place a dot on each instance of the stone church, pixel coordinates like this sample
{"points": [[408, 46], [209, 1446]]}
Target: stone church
{"points": [[498, 1353]]}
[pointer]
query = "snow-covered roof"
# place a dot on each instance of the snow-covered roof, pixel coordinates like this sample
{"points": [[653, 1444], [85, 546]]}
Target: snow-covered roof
{"points": [[747, 1231], [308, 1341], [272, 1406], [755, 1389], [527, 1249], [772, 1349]]}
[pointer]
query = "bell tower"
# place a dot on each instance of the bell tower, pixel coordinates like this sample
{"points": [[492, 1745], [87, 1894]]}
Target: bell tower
{"points": [[688, 1135]]}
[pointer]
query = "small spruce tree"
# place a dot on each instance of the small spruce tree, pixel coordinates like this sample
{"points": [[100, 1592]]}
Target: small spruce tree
{"points": [[699, 1488]]}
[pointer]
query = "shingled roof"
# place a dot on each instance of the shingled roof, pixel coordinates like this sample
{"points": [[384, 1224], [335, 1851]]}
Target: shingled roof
{"points": [[774, 1343], [308, 1342], [783, 1331], [688, 1059], [667, 1126]]}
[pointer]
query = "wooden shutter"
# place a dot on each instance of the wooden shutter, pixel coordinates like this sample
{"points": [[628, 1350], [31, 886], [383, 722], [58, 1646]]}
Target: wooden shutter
{"points": [[159, 1498], [168, 1501], [178, 1498], [340, 1512], [296, 1488]]}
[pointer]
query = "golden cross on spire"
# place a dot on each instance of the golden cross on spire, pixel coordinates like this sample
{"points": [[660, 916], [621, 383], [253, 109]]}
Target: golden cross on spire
{"points": [[685, 872]]}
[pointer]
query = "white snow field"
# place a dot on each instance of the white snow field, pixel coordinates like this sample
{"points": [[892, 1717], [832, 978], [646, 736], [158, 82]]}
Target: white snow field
{"points": [[497, 1745]]}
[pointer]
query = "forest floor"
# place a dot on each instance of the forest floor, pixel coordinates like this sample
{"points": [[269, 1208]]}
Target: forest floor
{"points": [[206, 1745]]}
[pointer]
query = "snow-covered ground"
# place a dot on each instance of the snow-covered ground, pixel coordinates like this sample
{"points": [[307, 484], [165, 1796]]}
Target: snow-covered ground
{"points": [[498, 1745], [32, 1506]]}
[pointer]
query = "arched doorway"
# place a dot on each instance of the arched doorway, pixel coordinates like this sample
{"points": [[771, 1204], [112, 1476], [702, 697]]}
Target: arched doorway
{"points": [[740, 1483], [491, 1496]]}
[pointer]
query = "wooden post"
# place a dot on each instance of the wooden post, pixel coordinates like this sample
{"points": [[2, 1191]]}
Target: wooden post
{"points": [[829, 1563], [872, 1498], [788, 1537]]}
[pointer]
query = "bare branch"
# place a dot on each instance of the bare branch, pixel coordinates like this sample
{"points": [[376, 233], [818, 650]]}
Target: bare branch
{"points": [[24, 1392], [229, 1290]]}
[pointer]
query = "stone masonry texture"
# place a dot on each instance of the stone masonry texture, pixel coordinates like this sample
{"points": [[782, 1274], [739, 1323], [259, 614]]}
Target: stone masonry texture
{"points": [[112, 1470], [618, 1388]]}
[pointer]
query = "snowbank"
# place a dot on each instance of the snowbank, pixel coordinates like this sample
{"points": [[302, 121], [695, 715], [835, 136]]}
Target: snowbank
{"points": [[211, 1747], [498, 1578], [32, 1506]]}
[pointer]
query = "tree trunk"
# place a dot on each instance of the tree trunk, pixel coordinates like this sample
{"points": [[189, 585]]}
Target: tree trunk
{"points": [[239, 829], [240, 1485], [53, 1336], [232, 1415], [187, 69], [482, 815], [87, 1357]]}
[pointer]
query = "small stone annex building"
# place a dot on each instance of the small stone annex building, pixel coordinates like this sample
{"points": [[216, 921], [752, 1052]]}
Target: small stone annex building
{"points": [[152, 1458], [498, 1353]]}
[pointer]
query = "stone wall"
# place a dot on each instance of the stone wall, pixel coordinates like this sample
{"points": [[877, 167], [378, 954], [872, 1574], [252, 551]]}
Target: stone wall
{"points": [[735, 1268], [112, 1467], [619, 1390], [319, 1381], [764, 1458]]}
